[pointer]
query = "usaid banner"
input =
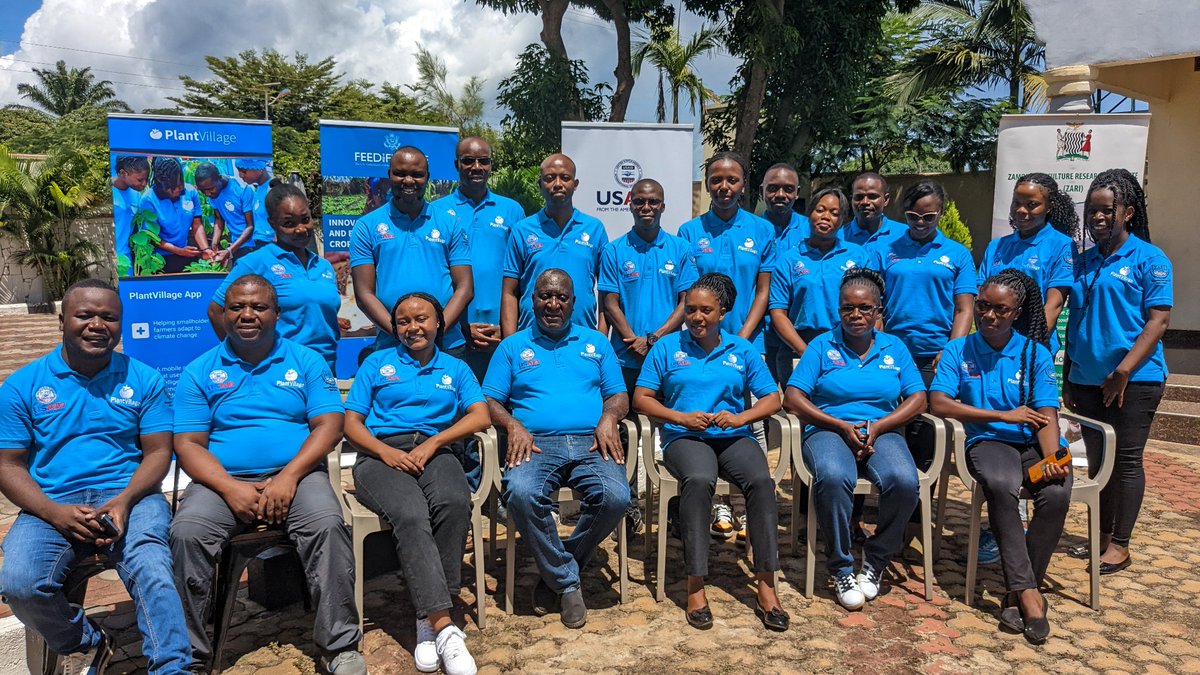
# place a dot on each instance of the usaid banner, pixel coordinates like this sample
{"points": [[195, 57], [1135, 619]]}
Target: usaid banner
{"points": [[354, 180], [1071, 148], [611, 157], [171, 240]]}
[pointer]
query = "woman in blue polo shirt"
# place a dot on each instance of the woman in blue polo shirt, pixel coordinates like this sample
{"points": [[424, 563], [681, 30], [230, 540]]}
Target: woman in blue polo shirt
{"points": [[1003, 377], [1120, 307], [806, 280], [133, 172], [175, 208], [856, 388], [407, 405], [304, 281], [704, 376]]}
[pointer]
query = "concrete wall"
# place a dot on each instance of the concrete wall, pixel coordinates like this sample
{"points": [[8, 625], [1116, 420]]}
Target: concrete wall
{"points": [[21, 285], [971, 192], [1115, 31]]}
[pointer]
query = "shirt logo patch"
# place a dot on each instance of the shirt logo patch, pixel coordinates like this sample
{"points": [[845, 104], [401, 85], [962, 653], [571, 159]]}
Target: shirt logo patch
{"points": [[944, 261], [528, 358], [291, 375], [629, 270], [451, 212], [435, 236], [970, 369], [850, 264], [669, 265], [290, 378], [125, 392], [1123, 274], [45, 395], [681, 358], [1015, 379], [326, 275], [584, 239], [732, 362], [1032, 262], [125, 397], [800, 269], [384, 231], [889, 363], [257, 205], [748, 246], [447, 383], [187, 205], [532, 242], [280, 271], [589, 351], [704, 245], [387, 370], [1160, 274], [229, 206], [835, 357], [218, 376]]}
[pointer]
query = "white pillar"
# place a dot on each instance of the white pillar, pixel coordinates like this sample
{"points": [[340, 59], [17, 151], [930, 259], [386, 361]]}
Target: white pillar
{"points": [[1069, 88]]}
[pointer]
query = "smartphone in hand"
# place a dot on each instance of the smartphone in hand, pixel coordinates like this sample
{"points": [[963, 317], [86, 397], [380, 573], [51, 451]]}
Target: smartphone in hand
{"points": [[110, 528], [1037, 472]]}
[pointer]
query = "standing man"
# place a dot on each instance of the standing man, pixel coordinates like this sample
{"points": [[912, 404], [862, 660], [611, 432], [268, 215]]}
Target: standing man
{"points": [[780, 188], [558, 236], [485, 218], [255, 417], [564, 387], [407, 245], [233, 209], [869, 196], [255, 173], [85, 441]]}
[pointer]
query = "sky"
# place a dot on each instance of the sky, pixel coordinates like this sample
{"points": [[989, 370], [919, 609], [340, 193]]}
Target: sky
{"points": [[142, 46]]}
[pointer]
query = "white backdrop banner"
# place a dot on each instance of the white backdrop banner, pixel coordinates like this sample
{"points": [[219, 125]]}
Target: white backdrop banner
{"points": [[1071, 148], [611, 157]]}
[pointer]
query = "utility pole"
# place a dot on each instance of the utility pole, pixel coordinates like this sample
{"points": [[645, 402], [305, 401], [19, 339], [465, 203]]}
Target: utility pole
{"points": [[268, 100]]}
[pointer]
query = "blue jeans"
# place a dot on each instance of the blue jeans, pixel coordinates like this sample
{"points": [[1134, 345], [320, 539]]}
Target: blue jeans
{"points": [[835, 471], [529, 488], [36, 561]]}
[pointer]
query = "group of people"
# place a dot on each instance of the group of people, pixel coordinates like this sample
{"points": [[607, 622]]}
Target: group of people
{"points": [[541, 327]]}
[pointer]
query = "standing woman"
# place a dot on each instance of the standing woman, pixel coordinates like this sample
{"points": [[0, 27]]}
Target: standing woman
{"points": [[930, 279], [132, 175], [807, 279], [1003, 377], [176, 209], [856, 388], [1120, 307], [406, 406], [704, 376], [303, 280]]}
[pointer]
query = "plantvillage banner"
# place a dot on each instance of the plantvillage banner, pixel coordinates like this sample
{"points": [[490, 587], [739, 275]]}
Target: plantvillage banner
{"points": [[172, 240], [611, 157], [354, 178]]}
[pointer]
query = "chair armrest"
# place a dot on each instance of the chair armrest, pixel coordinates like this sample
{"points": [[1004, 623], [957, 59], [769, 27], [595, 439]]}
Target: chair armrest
{"points": [[647, 428], [785, 422], [958, 435], [797, 447], [940, 443], [489, 464], [631, 447], [1110, 444]]}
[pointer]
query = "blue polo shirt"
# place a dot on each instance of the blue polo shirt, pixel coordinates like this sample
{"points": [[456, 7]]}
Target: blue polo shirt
{"points": [[854, 390], [263, 234], [410, 255], [981, 377], [174, 216], [536, 244], [807, 282], [889, 229], [233, 203], [397, 395], [82, 433], [1104, 323], [648, 277], [1047, 256], [689, 380], [308, 296], [922, 280], [486, 227], [798, 229], [742, 248], [555, 387], [256, 416], [125, 205]]}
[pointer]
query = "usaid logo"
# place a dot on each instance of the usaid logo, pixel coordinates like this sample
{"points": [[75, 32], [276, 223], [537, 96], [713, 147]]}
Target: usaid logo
{"points": [[382, 228], [835, 357], [532, 242], [704, 245], [681, 358], [278, 269], [527, 354], [387, 370], [629, 267], [218, 376], [45, 395], [627, 172]]}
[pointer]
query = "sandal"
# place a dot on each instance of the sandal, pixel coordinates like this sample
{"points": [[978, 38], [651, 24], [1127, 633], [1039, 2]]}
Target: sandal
{"points": [[701, 619], [1081, 552]]}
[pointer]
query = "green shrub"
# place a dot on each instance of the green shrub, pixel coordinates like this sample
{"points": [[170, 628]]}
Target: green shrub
{"points": [[953, 226]]}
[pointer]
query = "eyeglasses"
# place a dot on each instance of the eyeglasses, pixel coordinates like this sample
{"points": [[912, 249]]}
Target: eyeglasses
{"points": [[470, 161], [865, 310], [927, 218], [644, 201], [1000, 311]]}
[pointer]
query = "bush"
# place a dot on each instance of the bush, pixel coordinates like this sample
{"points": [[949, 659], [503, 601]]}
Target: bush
{"points": [[953, 226]]}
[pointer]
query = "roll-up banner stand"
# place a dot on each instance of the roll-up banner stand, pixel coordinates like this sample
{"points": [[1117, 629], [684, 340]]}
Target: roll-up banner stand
{"points": [[354, 178], [159, 217], [611, 157]]}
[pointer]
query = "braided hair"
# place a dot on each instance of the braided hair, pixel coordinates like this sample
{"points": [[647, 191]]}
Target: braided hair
{"points": [[867, 278], [1030, 321], [720, 285], [1060, 211], [726, 156], [438, 312], [132, 163], [1127, 191], [168, 173]]}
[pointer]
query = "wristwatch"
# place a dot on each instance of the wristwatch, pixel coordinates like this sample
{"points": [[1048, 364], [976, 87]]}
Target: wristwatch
{"points": [[651, 338]]}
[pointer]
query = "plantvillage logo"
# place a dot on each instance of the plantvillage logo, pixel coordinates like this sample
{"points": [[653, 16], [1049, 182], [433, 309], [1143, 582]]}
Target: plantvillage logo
{"points": [[1074, 143], [124, 396], [178, 136]]}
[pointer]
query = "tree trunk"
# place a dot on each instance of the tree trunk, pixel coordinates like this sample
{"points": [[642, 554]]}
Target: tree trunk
{"points": [[750, 109], [552, 19], [624, 69], [675, 103], [662, 101]]}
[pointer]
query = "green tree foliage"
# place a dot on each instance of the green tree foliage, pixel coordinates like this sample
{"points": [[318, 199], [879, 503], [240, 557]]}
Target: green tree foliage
{"points": [[63, 90], [520, 185], [40, 202], [464, 110], [674, 60], [952, 225]]}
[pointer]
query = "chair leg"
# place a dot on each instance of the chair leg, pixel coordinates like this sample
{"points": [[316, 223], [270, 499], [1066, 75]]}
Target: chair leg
{"points": [[1093, 506], [480, 560], [794, 537], [231, 566], [510, 565], [940, 522], [359, 582], [973, 545], [493, 525], [623, 560], [660, 579], [647, 534], [927, 540], [810, 555]]}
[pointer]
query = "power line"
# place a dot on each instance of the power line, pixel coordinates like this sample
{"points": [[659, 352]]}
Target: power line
{"points": [[131, 84], [101, 70], [21, 43]]}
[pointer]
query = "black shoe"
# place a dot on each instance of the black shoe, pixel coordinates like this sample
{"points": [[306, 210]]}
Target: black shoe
{"points": [[574, 611], [1037, 630], [545, 600], [1082, 552], [1113, 568], [776, 619], [858, 534], [701, 619], [1010, 613]]}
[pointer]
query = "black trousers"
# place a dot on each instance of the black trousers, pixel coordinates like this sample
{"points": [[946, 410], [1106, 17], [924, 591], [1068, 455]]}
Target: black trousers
{"points": [[1002, 470], [1121, 499]]}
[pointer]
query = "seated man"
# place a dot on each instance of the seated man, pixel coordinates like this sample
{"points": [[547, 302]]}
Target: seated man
{"points": [[255, 417], [85, 441], [564, 386]]}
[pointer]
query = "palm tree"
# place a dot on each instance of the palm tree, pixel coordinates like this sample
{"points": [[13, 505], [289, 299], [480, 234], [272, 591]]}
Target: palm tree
{"points": [[64, 89], [40, 202], [673, 59], [974, 44], [464, 111]]}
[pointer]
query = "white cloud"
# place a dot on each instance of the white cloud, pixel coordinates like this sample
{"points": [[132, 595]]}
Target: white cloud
{"points": [[370, 39]]}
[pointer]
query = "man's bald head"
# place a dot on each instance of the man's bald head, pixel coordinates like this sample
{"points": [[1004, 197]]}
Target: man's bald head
{"points": [[558, 183], [559, 160], [474, 146]]}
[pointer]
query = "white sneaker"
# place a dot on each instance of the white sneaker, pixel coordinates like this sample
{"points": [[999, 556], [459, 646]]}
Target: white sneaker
{"points": [[868, 581], [452, 650], [91, 662], [848, 592], [425, 654]]}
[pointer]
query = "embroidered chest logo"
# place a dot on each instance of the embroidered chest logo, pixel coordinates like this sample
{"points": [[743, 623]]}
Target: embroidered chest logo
{"points": [[280, 271], [290, 378], [681, 358], [732, 362], [1015, 379], [46, 396], [446, 383], [584, 239], [799, 269], [704, 245], [229, 206], [187, 204], [435, 236], [125, 397], [529, 358], [384, 231], [835, 357], [850, 264], [889, 363], [629, 270], [944, 261], [589, 352], [748, 246], [499, 223], [668, 268], [220, 378], [532, 242], [970, 369]]}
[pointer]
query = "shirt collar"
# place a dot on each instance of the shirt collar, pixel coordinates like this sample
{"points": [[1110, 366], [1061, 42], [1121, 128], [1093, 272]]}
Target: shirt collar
{"points": [[837, 336], [59, 367], [839, 246], [279, 253], [408, 359], [1010, 350], [571, 334], [641, 244], [460, 198], [1131, 245], [400, 218], [229, 358], [711, 218], [686, 341]]}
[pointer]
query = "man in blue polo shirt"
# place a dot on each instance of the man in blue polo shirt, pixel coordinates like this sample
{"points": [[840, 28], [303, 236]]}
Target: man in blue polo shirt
{"points": [[563, 385], [557, 236], [85, 441], [408, 245], [485, 218], [233, 206], [256, 174], [869, 196], [780, 188], [255, 417]]}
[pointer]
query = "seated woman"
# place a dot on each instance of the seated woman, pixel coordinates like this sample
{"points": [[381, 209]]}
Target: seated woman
{"points": [[1004, 380], [856, 388], [704, 376], [406, 406]]}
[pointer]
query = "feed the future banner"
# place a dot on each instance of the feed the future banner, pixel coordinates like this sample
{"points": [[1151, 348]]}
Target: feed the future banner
{"points": [[354, 177], [172, 239], [1071, 148], [611, 157]]}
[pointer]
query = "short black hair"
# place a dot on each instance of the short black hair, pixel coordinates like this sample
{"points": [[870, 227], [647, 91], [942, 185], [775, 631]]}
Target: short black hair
{"points": [[89, 283], [726, 156], [870, 175], [206, 171], [920, 189], [647, 181], [255, 281]]}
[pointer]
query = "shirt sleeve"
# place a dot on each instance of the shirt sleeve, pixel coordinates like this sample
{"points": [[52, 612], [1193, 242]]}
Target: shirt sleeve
{"points": [[910, 377], [469, 392], [964, 278], [460, 247], [781, 285], [497, 383], [946, 379], [985, 269], [1045, 379], [653, 368], [808, 370], [320, 387], [766, 263], [192, 412], [362, 390], [156, 414], [1157, 276], [1061, 267], [16, 422], [688, 274], [758, 377], [514, 262], [362, 252], [608, 282], [611, 381]]}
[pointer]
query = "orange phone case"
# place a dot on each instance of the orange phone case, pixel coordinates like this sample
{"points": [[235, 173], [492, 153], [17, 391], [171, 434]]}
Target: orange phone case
{"points": [[1037, 471]]}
